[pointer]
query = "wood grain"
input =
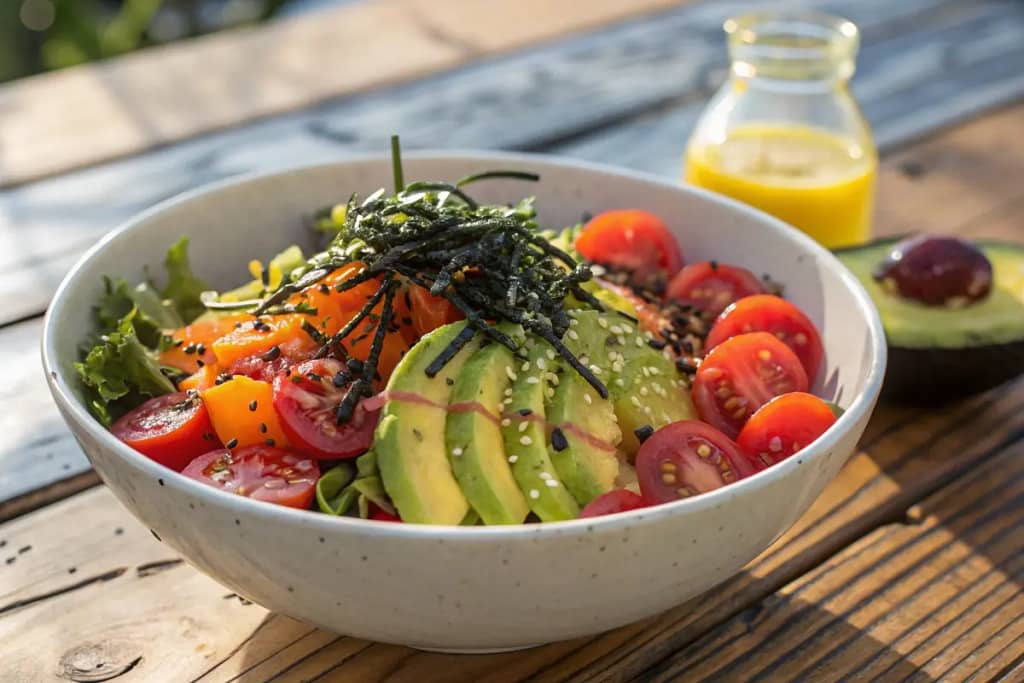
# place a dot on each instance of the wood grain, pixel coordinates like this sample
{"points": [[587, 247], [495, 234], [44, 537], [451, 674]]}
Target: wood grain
{"points": [[908, 455], [592, 86], [937, 597], [92, 113]]}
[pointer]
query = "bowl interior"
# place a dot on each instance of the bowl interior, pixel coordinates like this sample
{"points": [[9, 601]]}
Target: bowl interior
{"points": [[234, 222]]}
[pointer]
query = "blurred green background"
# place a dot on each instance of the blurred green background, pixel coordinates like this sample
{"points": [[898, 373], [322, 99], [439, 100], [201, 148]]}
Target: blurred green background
{"points": [[41, 35]]}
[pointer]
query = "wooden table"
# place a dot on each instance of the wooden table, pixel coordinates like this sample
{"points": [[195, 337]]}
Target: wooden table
{"points": [[909, 566]]}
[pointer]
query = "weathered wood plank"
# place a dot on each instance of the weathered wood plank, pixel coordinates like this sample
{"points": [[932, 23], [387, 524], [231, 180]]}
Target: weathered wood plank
{"points": [[988, 203], [937, 597], [92, 113], [534, 100], [909, 456]]}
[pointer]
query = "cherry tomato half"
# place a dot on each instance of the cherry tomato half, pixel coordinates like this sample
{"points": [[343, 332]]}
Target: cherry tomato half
{"points": [[742, 374], [172, 429], [260, 472], [710, 287], [631, 239], [768, 313], [429, 312], [379, 515], [685, 458], [619, 500], [306, 399], [783, 426]]}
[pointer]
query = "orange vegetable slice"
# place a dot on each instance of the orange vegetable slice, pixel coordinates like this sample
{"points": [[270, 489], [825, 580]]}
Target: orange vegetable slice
{"points": [[242, 413], [204, 333]]}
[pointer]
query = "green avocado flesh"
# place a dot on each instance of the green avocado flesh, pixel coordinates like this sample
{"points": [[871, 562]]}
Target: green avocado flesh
{"points": [[410, 438], [504, 434], [527, 447], [474, 439], [997, 319]]}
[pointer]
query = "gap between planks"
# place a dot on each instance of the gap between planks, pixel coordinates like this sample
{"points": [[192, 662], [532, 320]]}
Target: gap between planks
{"points": [[122, 603], [55, 122]]}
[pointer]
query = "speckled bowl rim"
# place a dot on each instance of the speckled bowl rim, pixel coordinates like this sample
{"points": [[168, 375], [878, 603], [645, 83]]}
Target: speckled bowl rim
{"points": [[77, 412]]}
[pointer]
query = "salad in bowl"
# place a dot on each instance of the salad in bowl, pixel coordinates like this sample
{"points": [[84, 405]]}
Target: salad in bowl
{"points": [[442, 360]]}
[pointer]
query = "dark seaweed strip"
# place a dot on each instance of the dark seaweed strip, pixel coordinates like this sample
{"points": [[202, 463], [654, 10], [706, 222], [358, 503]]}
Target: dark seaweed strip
{"points": [[454, 346], [351, 324]]}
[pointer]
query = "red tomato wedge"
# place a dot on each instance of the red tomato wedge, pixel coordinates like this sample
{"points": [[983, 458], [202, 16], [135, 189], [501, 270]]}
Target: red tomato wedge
{"points": [[619, 500], [710, 287], [306, 399], [686, 458], [742, 374], [631, 239], [768, 313], [172, 429], [429, 312], [784, 426], [259, 472], [379, 515]]}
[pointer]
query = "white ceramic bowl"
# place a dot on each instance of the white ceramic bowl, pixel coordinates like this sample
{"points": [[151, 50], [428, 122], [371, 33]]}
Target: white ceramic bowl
{"points": [[478, 588]]}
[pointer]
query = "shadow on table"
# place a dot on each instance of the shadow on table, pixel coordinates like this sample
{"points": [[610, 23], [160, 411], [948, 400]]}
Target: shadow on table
{"points": [[784, 638]]}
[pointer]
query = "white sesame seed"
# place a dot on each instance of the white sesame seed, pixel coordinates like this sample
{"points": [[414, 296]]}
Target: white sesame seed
{"points": [[644, 391], [648, 334], [602, 322], [573, 335], [523, 425], [544, 475], [635, 401], [511, 373], [615, 329], [508, 392], [551, 483], [532, 380], [551, 354], [549, 392], [619, 382], [646, 371], [585, 359], [627, 327], [594, 369], [617, 366], [534, 493], [553, 378], [666, 418], [507, 401], [456, 451], [586, 397], [640, 342], [525, 366], [647, 410], [542, 364], [574, 322], [654, 370], [621, 340], [513, 458], [525, 440], [506, 422]]}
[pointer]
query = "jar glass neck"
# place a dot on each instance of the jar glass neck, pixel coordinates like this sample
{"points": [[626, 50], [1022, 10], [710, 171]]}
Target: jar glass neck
{"points": [[793, 46]]}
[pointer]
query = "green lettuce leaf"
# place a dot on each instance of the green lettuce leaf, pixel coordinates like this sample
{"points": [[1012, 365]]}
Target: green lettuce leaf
{"points": [[153, 313], [183, 287], [119, 372]]}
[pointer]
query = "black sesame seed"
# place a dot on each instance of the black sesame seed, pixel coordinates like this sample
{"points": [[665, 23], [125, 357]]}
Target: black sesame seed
{"points": [[200, 363], [252, 406], [449, 381], [656, 344], [231, 444], [269, 442], [713, 264], [558, 440], [324, 289], [273, 354], [208, 436], [201, 349], [190, 349], [525, 412], [263, 428], [643, 433]]}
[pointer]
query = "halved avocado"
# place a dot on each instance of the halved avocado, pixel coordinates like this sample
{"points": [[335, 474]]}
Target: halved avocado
{"points": [[937, 353]]}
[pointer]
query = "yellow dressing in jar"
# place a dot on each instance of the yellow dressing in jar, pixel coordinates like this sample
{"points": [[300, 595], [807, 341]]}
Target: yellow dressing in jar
{"points": [[783, 133], [813, 180]]}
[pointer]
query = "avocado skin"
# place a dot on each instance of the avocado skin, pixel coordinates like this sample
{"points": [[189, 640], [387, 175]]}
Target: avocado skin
{"points": [[410, 437], [923, 372], [936, 376], [475, 444]]}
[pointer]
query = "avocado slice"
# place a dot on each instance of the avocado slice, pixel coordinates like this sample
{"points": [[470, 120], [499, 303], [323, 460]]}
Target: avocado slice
{"points": [[643, 384], [474, 439], [410, 438], [586, 466], [526, 447], [935, 352]]}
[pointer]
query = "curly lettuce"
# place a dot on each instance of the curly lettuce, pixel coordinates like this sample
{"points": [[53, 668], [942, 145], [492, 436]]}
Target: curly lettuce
{"points": [[119, 372], [183, 288]]}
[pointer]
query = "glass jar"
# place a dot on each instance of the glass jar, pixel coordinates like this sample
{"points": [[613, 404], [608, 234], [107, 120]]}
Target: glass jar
{"points": [[783, 133]]}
